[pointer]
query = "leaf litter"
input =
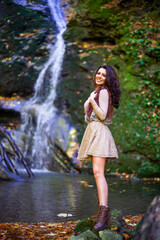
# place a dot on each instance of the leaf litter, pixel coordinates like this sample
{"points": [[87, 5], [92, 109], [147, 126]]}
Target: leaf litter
{"points": [[48, 231]]}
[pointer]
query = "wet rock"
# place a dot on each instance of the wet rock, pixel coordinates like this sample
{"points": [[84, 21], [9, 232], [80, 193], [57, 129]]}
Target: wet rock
{"points": [[87, 235], [66, 146], [26, 35], [108, 235], [149, 227]]}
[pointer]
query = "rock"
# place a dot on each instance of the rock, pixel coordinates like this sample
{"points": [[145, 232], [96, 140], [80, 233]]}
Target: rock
{"points": [[84, 225], [24, 48], [87, 235], [108, 235], [116, 222], [149, 227], [66, 145]]}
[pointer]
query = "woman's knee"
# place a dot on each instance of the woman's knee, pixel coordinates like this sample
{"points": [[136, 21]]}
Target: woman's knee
{"points": [[97, 173], [98, 167]]}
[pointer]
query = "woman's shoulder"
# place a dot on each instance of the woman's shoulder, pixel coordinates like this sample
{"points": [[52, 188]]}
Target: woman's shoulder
{"points": [[104, 90], [104, 93]]}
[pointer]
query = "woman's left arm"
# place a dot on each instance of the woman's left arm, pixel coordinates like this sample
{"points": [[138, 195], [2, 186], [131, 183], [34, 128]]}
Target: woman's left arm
{"points": [[101, 110]]}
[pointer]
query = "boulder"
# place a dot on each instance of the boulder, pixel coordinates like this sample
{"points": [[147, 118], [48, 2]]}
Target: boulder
{"points": [[84, 225], [87, 235], [116, 222], [149, 227], [108, 235]]}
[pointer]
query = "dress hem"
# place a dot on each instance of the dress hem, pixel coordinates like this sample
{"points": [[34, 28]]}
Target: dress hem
{"points": [[95, 155]]}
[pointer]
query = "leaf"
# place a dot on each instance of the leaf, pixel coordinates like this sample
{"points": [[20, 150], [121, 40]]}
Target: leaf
{"points": [[140, 56], [113, 229], [85, 183], [126, 236], [64, 215], [51, 234]]}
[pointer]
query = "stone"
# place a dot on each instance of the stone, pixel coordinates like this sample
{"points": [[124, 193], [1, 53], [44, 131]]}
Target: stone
{"points": [[116, 222], [22, 57], [108, 235], [149, 226], [87, 235], [84, 225]]}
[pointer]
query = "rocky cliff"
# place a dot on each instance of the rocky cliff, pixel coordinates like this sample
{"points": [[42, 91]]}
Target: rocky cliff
{"points": [[26, 33], [123, 34]]}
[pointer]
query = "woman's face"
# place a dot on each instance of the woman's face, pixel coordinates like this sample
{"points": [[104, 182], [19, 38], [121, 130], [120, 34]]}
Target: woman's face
{"points": [[100, 77]]}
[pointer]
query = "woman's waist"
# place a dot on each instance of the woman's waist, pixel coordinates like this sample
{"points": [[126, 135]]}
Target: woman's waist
{"points": [[96, 119]]}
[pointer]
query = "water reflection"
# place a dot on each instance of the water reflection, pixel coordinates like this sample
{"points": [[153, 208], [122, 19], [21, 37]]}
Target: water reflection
{"points": [[41, 199]]}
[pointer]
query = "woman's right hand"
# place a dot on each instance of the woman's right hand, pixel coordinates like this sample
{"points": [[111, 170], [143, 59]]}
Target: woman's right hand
{"points": [[92, 96]]}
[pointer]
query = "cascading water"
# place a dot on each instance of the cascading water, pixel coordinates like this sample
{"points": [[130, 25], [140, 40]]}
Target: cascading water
{"points": [[39, 113]]}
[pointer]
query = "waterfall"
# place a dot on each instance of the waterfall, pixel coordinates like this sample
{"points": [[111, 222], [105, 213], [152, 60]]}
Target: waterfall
{"points": [[39, 113]]}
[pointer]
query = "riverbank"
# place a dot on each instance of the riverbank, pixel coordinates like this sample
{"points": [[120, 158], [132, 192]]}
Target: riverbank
{"points": [[57, 231]]}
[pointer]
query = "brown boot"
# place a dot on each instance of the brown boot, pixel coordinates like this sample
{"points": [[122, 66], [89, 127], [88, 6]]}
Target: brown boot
{"points": [[95, 216], [103, 218]]}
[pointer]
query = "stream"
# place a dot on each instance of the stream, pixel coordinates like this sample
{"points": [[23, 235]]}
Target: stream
{"points": [[49, 194]]}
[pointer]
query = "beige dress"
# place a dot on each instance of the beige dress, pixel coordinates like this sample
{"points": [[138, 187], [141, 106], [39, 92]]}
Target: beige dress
{"points": [[97, 139]]}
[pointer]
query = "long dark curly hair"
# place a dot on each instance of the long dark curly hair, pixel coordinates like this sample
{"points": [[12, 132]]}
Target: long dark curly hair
{"points": [[112, 83]]}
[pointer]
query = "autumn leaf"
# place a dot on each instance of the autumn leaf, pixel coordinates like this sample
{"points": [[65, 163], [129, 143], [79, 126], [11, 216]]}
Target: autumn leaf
{"points": [[111, 4], [85, 183], [126, 236]]}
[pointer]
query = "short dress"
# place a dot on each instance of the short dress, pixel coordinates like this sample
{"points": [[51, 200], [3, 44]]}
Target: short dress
{"points": [[97, 140]]}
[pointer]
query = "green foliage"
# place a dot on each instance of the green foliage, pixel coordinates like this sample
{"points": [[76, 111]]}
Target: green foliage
{"points": [[143, 49], [148, 169], [142, 39]]}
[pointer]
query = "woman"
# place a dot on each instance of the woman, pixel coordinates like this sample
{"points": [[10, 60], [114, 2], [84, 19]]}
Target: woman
{"points": [[97, 143]]}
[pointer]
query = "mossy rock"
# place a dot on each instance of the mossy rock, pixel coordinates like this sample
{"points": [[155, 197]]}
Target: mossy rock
{"points": [[22, 57], [84, 225], [108, 235], [116, 222], [87, 235]]}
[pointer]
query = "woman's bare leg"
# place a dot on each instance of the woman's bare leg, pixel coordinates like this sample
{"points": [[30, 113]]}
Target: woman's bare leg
{"points": [[102, 186]]}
